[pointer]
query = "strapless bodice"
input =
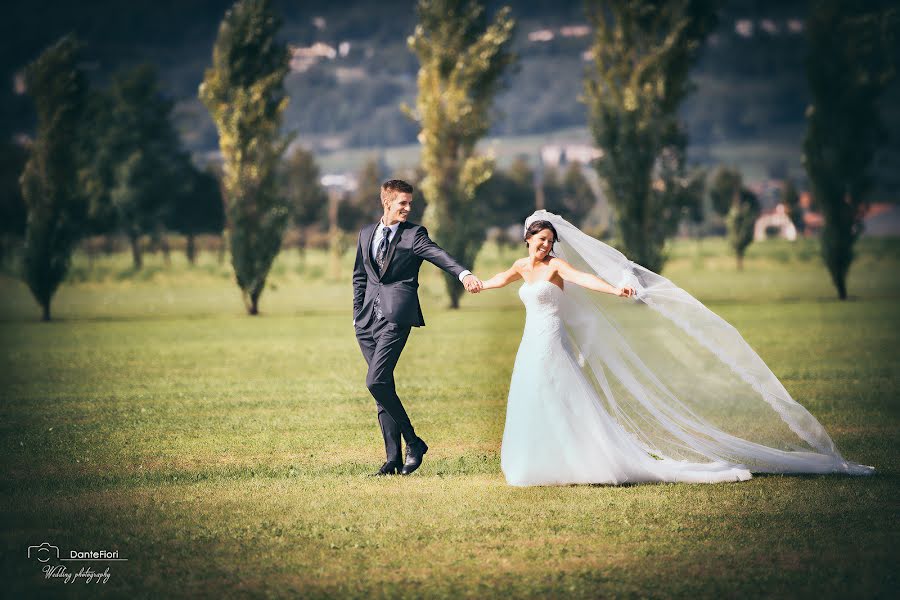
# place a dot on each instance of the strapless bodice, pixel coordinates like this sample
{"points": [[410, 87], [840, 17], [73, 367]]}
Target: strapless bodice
{"points": [[540, 296], [541, 299]]}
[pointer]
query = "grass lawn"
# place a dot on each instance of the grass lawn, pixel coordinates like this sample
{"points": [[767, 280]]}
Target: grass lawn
{"points": [[226, 456]]}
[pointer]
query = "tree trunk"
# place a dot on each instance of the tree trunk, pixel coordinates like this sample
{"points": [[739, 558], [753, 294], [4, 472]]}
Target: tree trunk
{"points": [[253, 305], [740, 261], [301, 250], [837, 249], [454, 290], [45, 311], [454, 299], [191, 249], [164, 244], [334, 252], [840, 282], [136, 256]]}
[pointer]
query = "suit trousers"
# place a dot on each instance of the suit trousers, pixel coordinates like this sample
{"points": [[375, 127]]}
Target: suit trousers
{"points": [[381, 343]]}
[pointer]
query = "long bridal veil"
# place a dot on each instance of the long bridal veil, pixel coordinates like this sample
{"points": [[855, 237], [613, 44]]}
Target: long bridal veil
{"points": [[677, 377]]}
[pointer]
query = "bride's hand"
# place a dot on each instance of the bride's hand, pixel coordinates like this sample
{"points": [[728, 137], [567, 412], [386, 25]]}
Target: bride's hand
{"points": [[626, 292]]}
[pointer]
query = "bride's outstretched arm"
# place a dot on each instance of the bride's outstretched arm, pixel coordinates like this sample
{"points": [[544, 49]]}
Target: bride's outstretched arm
{"points": [[588, 280], [501, 279]]}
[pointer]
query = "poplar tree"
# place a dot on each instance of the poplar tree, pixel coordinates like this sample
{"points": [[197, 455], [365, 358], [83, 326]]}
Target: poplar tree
{"points": [[244, 93], [741, 221], [462, 58], [739, 206], [642, 52], [851, 59], [56, 206]]}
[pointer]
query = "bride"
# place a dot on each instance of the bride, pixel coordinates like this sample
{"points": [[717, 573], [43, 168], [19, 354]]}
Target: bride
{"points": [[640, 382]]}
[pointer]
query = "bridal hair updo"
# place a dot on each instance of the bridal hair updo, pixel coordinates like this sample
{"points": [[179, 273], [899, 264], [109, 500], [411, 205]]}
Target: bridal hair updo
{"points": [[392, 187], [537, 226]]}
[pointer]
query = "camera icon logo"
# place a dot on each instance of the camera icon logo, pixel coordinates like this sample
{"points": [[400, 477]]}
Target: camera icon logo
{"points": [[44, 552]]}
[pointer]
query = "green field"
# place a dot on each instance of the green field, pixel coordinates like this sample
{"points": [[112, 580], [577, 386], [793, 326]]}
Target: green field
{"points": [[226, 456]]}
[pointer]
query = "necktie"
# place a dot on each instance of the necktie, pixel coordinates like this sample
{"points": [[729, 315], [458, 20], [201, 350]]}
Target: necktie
{"points": [[383, 248], [380, 255]]}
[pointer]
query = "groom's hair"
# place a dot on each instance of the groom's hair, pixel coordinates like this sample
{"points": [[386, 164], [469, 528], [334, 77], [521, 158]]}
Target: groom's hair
{"points": [[392, 187]]}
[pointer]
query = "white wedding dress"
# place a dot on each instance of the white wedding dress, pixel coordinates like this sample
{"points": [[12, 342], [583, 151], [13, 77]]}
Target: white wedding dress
{"points": [[652, 388], [557, 431]]}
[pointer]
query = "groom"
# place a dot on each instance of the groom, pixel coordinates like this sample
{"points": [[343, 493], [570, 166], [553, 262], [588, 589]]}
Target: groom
{"points": [[386, 307]]}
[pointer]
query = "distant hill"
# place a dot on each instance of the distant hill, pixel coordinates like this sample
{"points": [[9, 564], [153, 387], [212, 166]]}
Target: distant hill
{"points": [[750, 82]]}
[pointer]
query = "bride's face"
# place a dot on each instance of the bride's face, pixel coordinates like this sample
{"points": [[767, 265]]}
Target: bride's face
{"points": [[540, 244]]}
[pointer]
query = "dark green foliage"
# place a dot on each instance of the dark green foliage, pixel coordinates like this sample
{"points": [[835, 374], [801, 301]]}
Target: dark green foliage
{"points": [[508, 196], [50, 187], [12, 206], [198, 209], [138, 172], [792, 206], [693, 190], [642, 51], [244, 92], [727, 188], [420, 202], [852, 57], [740, 222], [725, 184], [301, 187]]}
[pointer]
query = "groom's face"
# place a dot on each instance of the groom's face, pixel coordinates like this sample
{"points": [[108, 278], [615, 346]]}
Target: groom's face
{"points": [[398, 209]]}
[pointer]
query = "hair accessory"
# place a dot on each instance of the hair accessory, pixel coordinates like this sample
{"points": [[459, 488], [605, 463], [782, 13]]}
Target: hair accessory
{"points": [[538, 215]]}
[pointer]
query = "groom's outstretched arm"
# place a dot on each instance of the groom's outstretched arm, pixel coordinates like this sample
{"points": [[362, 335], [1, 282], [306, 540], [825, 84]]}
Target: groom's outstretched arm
{"points": [[359, 279], [424, 247]]}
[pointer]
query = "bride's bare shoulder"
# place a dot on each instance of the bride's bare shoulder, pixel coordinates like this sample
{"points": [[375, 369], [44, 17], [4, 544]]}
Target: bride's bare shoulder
{"points": [[555, 262], [518, 264]]}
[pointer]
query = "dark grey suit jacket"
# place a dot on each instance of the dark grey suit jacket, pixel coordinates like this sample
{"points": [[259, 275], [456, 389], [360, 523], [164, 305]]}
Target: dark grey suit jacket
{"points": [[398, 284]]}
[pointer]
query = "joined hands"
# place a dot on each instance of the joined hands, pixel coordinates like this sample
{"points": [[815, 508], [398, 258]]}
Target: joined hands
{"points": [[472, 284]]}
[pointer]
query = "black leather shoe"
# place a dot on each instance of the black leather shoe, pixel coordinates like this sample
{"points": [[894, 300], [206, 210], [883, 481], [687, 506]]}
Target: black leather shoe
{"points": [[414, 453], [388, 468]]}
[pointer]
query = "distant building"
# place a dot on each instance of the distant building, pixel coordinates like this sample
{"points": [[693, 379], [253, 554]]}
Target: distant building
{"points": [[881, 219], [569, 31], [344, 182], [540, 35], [574, 30], [747, 27], [775, 223], [302, 58]]}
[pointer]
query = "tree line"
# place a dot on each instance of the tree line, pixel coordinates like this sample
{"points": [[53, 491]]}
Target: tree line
{"points": [[110, 160]]}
